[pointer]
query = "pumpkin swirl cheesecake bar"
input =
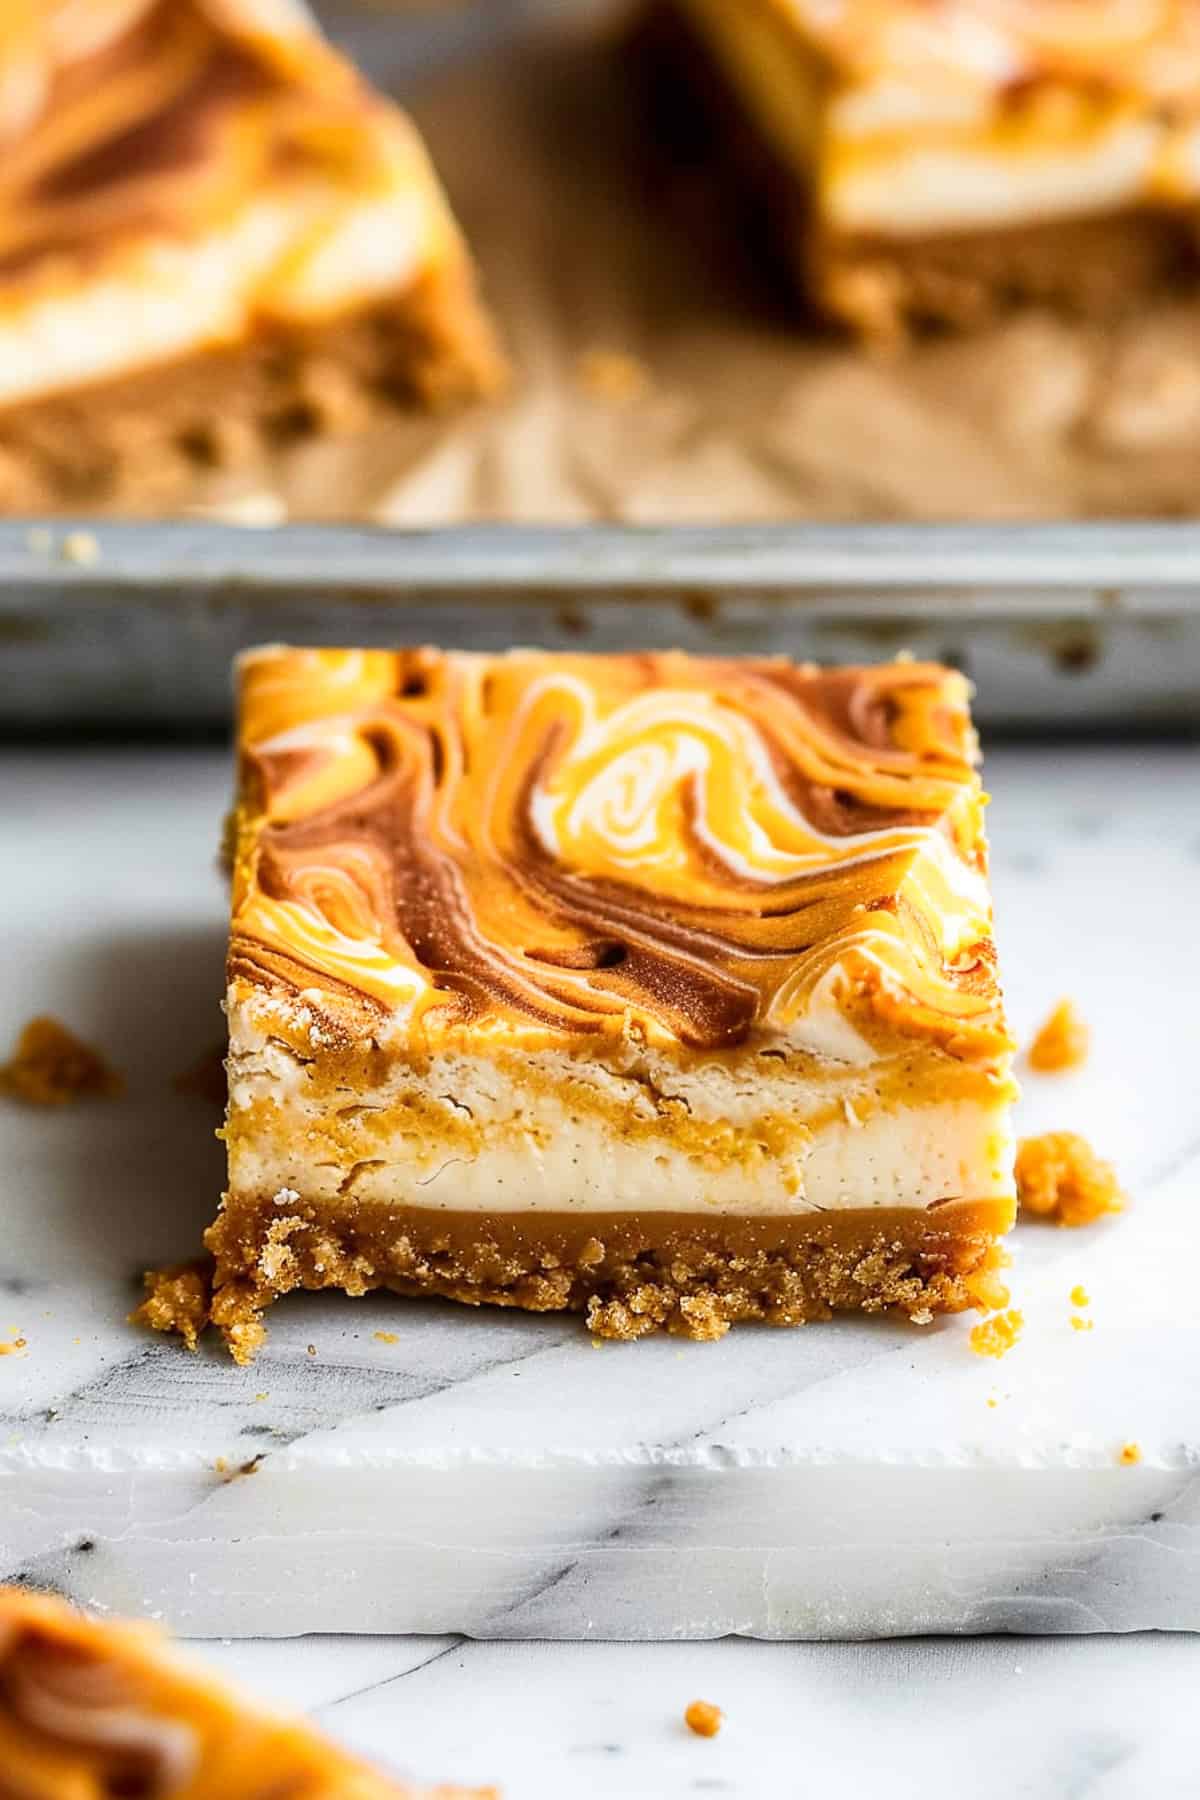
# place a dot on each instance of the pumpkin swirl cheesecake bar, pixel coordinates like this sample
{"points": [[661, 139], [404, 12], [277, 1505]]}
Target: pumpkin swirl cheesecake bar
{"points": [[913, 164], [657, 988], [92, 1710], [214, 238]]}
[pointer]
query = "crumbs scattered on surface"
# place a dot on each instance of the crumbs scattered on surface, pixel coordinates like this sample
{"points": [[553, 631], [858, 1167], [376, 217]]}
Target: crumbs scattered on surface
{"points": [[997, 1335], [1062, 1043], [612, 375], [1130, 1453], [704, 1718], [205, 1078], [80, 547], [387, 1337], [1080, 1324], [52, 1067], [311, 1349], [177, 1299], [1060, 1177]]}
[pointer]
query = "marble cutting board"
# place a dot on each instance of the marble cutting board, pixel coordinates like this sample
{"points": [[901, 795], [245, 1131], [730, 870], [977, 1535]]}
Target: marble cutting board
{"points": [[497, 1474]]}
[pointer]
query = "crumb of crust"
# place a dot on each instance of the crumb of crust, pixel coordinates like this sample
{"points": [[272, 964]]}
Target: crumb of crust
{"points": [[997, 1335], [1062, 1043], [1130, 1453], [612, 375], [1079, 1295], [387, 1337], [177, 1299], [205, 1078], [704, 1718], [52, 1067], [80, 547], [15, 1348], [1060, 1177]]}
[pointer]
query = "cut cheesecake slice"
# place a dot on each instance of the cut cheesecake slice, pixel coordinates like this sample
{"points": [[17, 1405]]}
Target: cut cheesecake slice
{"points": [[92, 1711], [214, 238], [915, 166], [652, 987]]}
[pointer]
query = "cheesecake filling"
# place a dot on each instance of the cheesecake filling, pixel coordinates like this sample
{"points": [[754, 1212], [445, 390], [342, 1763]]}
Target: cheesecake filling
{"points": [[914, 132], [548, 1134], [178, 174], [293, 258]]}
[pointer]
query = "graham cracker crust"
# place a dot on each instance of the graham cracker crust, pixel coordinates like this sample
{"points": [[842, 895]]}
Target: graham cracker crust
{"points": [[690, 1274], [878, 287], [141, 440]]}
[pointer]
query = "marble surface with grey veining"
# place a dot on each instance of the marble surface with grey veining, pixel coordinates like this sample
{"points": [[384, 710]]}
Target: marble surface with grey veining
{"points": [[499, 1476]]}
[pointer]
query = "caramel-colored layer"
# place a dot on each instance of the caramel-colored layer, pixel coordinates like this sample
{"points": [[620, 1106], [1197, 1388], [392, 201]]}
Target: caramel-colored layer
{"points": [[91, 1710], [690, 1274], [138, 442], [884, 288]]}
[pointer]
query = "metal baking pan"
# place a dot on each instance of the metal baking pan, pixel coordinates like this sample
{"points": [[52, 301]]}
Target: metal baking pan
{"points": [[1066, 628]]}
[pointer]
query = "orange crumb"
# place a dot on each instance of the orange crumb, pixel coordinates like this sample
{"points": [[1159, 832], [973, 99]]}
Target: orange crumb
{"points": [[997, 1335], [985, 1285], [1130, 1454], [387, 1337], [14, 1349], [612, 375], [1078, 1324], [1062, 1042], [177, 1299], [1079, 1295], [1060, 1177], [704, 1718], [51, 1067]]}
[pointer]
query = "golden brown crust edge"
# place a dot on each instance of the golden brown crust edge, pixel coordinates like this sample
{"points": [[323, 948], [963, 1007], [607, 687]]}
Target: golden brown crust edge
{"points": [[687, 1274]]}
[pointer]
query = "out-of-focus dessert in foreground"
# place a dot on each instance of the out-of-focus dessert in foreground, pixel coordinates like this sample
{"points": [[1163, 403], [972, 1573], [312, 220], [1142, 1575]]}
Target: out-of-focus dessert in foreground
{"points": [[92, 1710], [214, 238], [652, 987], [921, 165]]}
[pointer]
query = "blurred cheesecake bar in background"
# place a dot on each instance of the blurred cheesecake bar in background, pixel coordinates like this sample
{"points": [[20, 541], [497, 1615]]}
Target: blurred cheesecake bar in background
{"points": [[92, 1710], [921, 163], [214, 238], [652, 987]]}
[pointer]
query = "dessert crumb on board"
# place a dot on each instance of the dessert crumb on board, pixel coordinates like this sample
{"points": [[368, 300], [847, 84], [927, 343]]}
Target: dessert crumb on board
{"points": [[1131, 1453], [612, 375], [1062, 1042], [704, 1718], [997, 1335], [1060, 1177], [50, 1066]]}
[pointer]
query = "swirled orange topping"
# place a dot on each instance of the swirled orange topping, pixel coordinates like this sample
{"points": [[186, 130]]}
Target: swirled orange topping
{"points": [[691, 850], [142, 118], [89, 1711]]}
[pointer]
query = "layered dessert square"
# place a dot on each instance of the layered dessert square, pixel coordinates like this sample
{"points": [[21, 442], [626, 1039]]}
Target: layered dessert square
{"points": [[913, 164], [657, 988], [214, 238], [92, 1710]]}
